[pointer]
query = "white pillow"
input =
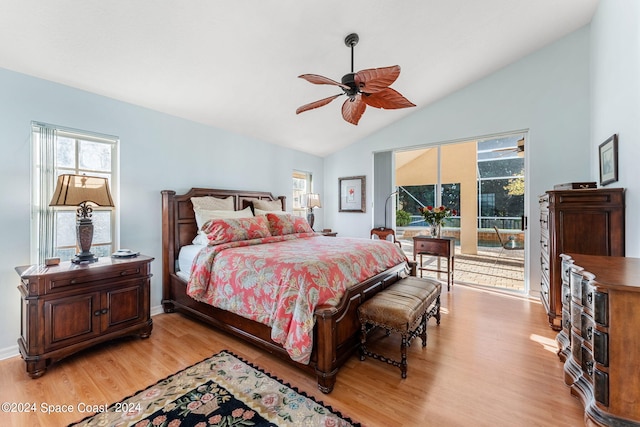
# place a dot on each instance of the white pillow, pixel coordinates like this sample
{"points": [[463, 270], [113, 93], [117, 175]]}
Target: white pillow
{"points": [[211, 203], [204, 215], [267, 205], [261, 212]]}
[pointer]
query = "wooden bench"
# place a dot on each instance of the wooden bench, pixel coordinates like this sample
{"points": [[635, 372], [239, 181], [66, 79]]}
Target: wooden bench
{"points": [[403, 307]]}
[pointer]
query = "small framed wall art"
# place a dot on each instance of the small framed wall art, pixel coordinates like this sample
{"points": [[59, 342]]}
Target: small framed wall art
{"points": [[352, 194], [608, 154]]}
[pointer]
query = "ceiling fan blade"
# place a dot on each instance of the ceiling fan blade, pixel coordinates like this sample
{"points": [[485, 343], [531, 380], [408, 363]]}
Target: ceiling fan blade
{"points": [[352, 109], [374, 80], [388, 99], [321, 80], [316, 104]]}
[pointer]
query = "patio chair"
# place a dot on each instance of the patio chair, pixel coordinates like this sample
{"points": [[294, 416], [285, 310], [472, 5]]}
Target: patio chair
{"points": [[511, 244]]}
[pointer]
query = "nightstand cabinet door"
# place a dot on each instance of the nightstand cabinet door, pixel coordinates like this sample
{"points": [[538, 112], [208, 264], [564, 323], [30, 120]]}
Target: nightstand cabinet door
{"points": [[70, 320], [124, 306]]}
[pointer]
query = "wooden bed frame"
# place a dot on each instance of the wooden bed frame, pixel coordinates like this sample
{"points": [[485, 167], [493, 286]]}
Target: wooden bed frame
{"points": [[336, 332]]}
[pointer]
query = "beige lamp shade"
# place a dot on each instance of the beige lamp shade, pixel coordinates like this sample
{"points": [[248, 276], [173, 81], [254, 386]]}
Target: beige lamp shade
{"points": [[73, 190], [313, 200]]}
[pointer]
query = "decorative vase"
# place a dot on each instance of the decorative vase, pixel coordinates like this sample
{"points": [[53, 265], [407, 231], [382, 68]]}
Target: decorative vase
{"points": [[435, 230]]}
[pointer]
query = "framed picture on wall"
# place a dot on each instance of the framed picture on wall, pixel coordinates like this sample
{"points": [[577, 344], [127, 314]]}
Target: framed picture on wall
{"points": [[352, 194], [608, 154]]}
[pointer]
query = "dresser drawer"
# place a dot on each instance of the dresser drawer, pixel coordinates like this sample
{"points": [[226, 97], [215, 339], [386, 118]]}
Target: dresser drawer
{"points": [[576, 318], [544, 221], [600, 342], [544, 268], [601, 387], [576, 281], [576, 347], [566, 321], [587, 363], [586, 328], [596, 303], [566, 295]]}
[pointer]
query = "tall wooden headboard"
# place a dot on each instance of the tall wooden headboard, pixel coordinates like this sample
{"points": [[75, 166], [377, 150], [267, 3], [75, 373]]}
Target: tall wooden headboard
{"points": [[179, 220]]}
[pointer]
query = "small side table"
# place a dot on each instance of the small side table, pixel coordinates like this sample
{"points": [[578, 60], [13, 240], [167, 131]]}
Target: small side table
{"points": [[440, 247], [329, 233]]}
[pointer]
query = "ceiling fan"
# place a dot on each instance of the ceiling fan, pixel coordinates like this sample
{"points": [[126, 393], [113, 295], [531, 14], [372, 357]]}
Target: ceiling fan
{"points": [[366, 87], [518, 149]]}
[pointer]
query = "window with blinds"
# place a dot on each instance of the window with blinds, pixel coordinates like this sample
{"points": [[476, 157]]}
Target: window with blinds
{"points": [[301, 186], [56, 151]]}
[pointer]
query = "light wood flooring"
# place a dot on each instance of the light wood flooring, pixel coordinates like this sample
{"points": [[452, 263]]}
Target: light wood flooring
{"points": [[491, 362]]}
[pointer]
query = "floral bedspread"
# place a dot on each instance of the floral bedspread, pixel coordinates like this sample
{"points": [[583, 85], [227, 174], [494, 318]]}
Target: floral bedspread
{"points": [[280, 280]]}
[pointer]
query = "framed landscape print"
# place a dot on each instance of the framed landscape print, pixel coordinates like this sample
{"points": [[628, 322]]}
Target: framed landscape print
{"points": [[608, 154], [352, 194]]}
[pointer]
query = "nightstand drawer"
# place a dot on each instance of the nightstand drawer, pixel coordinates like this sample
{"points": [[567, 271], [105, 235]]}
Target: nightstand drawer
{"points": [[79, 279]]}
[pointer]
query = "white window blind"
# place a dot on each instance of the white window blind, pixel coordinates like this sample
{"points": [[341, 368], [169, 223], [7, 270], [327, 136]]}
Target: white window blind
{"points": [[56, 151], [301, 186]]}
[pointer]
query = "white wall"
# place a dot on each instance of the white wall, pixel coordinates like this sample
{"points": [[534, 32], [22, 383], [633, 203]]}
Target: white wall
{"points": [[615, 101], [157, 152], [546, 93]]}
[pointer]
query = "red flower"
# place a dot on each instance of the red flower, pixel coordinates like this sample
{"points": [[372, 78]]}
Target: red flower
{"points": [[159, 420], [215, 419]]}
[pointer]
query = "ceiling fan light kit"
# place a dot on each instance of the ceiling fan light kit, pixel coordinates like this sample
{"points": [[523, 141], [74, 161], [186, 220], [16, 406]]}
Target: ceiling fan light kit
{"points": [[366, 87]]}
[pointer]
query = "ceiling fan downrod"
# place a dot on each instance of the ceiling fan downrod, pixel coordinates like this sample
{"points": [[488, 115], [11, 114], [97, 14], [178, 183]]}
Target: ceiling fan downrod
{"points": [[351, 40]]}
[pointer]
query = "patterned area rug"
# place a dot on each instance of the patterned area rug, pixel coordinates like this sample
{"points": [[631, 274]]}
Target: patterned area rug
{"points": [[220, 391]]}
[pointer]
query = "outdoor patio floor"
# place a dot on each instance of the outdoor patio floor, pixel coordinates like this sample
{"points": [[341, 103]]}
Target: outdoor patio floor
{"points": [[490, 267]]}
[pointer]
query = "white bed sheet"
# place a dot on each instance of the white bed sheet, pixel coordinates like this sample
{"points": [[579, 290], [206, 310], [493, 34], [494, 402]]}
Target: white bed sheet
{"points": [[185, 259]]}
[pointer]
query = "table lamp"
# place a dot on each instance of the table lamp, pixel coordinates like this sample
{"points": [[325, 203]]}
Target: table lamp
{"points": [[78, 190], [312, 201]]}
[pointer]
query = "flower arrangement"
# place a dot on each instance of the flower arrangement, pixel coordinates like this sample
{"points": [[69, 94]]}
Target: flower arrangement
{"points": [[436, 216]]}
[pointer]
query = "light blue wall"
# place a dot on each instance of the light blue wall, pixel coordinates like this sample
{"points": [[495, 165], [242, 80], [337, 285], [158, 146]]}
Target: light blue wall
{"points": [[615, 101], [157, 152], [546, 93], [570, 96]]}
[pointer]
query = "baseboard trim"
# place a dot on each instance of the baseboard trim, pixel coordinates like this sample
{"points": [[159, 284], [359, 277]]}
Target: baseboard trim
{"points": [[9, 352]]}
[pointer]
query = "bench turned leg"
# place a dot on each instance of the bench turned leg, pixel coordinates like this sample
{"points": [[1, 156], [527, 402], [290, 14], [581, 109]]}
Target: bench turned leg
{"points": [[423, 334], [403, 353], [437, 316], [363, 340]]}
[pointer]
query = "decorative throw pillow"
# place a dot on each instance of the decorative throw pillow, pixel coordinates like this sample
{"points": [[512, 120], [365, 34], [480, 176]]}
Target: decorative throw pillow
{"points": [[203, 216], [267, 205], [287, 224], [235, 229], [211, 203]]}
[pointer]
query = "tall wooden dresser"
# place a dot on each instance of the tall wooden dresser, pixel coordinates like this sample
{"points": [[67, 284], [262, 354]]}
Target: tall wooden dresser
{"points": [[587, 221], [599, 341]]}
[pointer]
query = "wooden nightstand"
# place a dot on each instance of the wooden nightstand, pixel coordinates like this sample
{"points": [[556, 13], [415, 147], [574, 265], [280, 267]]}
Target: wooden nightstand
{"points": [[329, 233], [70, 307]]}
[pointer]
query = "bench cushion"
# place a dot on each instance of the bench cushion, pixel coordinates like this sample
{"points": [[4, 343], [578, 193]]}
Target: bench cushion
{"points": [[400, 305]]}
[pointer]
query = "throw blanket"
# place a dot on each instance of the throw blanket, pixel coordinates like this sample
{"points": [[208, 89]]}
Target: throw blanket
{"points": [[280, 280]]}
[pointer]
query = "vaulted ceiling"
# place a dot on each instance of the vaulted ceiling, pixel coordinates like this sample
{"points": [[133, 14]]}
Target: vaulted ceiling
{"points": [[234, 64]]}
